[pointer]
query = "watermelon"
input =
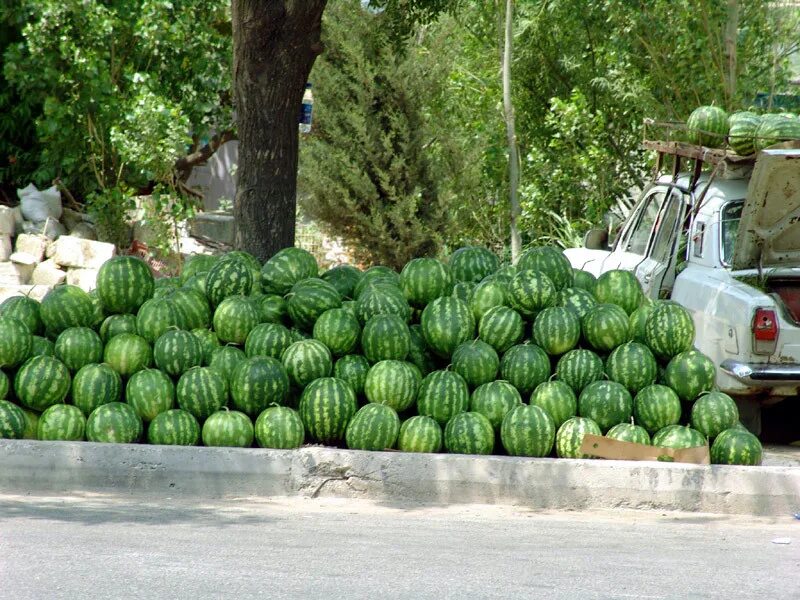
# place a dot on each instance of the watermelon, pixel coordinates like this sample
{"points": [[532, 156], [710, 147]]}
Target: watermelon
{"points": [[267, 339], [633, 365], [569, 437], [373, 427], [669, 330], [66, 306], [708, 126], [418, 353], [377, 275], [713, 413], [228, 277], [98, 313], [193, 309], [638, 319], [344, 278], [234, 319], [619, 287], [339, 330], [12, 421], [487, 295], [272, 309], [31, 425], [381, 299], [326, 407], [605, 327], [163, 286], [556, 330], [525, 366], [578, 368], [202, 391], [177, 351], [174, 427], [528, 431], [78, 346], [124, 283], [501, 327], [4, 385], [17, 342], [41, 382], [678, 436], [776, 128], [128, 353], [257, 383], [607, 403], [577, 300], [306, 361], [531, 291], [656, 407], [425, 279], [385, 337], [494, 400], [557, 399], [583, 280], [150, 392], [26, 310], [225, 359], [116, 324], [197, 283], [156, 316], [549, 261], [446, 323], [733, 447], [285, 268], [690, 374], [469, 433], [462, 290], [95, 385], [353, 369], [442, 395], [308, 299], [626, 432], [197, 263], [279, 427], [41, 346], [476, 361], [114, 423], [208, 342], [228, 428], [393, 383], [420, 434], [472, 264], [742, 131]]}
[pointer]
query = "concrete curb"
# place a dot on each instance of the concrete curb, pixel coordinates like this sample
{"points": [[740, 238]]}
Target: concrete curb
{"points": [[54, 468]]}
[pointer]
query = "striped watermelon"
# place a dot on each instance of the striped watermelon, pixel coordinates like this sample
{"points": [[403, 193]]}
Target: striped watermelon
{"points": [[557, 399], [124, 283], [381, 299], [98, 312], [268, 339], [116, 324], [31, 425], [476, 361], [472, 263], [66, 306], [228, 428], [578, 368], [556, 330], [41, 346], [446, 323], [742, 131], [41, 382], [344, 278], [228, 277], [225, 359], [442, 395], [569, 437], [128, 353], [469, 433], [150, 392], [95, 385], [377, 275], [708, 126], [177, 351], [208, 342], [393, 383], [776, 128], [61, 422], [531, 291], [633, 365], [257, 383], [251, 261], [285, 268], [418, 353], [501, 327], [626, 432], [655, 407], [583, 280], [550, 261], [114, 423], [197, 263], [156, 316], [197, 282], [279, 427], [487, 295], [607, 403], [174, 427], [193, 309], [306, 361], [17, 342], [12, 421], [26, 310], [605, 327], [353, 369], [308, 299], [638, 319], [272, 309], [669, 330], [425, 279], [494, 400], [326, 407], [420, 434], [78, 346], [234, 319], [163, 286], [736, 447], [528, 431], [713, 413], [525, 366], [577, 300], [4, 385], [619, 287], [373, 427], [690, 374], [678, 436], [385, 337], [339, 330], [462, 290], [202, 391]]}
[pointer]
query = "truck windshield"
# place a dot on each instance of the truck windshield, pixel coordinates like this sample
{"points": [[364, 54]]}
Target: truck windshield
{"points": [[731, 214]]}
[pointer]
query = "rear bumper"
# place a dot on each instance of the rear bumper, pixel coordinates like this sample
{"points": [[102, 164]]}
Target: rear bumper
{"points": [[762, 375]]}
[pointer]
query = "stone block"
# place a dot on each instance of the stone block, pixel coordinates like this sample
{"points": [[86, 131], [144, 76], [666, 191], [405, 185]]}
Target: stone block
{"points": [[32, 245], [48, 273], [8, 224], [5, 247], [35, 292], [215, 226], [75, 252], [71, 218], [12, 273], [86, 279]]}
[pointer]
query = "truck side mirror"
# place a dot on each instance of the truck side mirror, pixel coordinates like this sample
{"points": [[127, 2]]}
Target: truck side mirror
{"points": [[596, 239]]}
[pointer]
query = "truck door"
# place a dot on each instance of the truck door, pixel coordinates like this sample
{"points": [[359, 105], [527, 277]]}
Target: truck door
{"points": [[657, 269], [631, 248]]}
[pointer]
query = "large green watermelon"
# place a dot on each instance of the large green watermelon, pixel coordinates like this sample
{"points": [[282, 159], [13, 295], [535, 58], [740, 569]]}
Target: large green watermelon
{"points": [[174, 427], [339, 330], [708, 126], [420, 434], [619, 287], [736, 447], [393, 383], [605, 327], [285, 268], [279, 427], [228, 428], [742, 131], [326, 407], [469, 433], [607, 403], [525, 366], [373, 427], [115, 423], [228, 277], [557, 399], [128, 353], [690, 374], [66, 306], [531, 291], [258, 383], [150, 392], [528, 431], [12, 421], [234, 318], [495, 400], [94, 385], [476, 361], [569, 437], [473, 263], [425, 279], [633, 365], [578, 368], [669, 330], [26, 310], [713, 413], [501, 327], [550, 261], [656, 407], [446, 323], [442, 395], [385, 337], [556, 330], [41, 382], [307, 360], [309, 299], [124, 283], [202, 391], [17, 342]]}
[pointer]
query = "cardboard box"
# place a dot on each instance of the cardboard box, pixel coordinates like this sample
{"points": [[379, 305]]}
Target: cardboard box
{"points": [[603, 447]]}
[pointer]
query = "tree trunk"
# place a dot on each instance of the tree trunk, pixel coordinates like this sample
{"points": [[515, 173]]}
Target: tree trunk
{"points": [[513, 153], [731, 38], [275, 43]]}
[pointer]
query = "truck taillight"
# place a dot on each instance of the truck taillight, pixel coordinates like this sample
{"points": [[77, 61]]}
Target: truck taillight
{"points": [[765, 325]]}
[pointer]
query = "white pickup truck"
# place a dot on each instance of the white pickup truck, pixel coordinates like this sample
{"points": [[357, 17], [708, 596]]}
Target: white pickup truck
{"points": [[726, 245]]}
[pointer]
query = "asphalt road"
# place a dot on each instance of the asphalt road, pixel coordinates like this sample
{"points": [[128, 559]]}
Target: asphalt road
{"points": [[101, 547]]}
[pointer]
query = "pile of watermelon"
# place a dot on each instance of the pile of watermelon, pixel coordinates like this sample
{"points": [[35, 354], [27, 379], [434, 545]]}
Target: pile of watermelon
{"points": [[745, 132], [463, 356]]}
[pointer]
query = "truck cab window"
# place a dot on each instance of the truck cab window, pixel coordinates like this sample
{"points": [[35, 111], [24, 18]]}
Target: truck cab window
{"points": [[639, 236], [729, 228]]}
